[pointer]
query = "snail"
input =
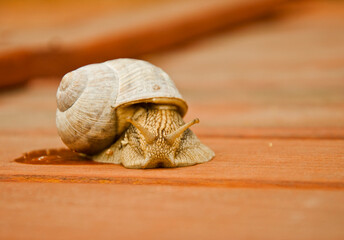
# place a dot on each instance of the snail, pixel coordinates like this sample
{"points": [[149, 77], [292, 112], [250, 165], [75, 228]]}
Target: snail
{"points": [[128, 112]]}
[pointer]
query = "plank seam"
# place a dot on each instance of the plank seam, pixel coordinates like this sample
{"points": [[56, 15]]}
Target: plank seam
{"points": [[224, 183]]}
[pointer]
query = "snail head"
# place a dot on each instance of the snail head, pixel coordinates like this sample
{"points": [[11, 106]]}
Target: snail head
{"points": [[157, 148]]}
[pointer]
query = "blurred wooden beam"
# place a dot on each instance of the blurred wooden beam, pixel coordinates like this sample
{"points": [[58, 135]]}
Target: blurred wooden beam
{"points": [[132, 33]]}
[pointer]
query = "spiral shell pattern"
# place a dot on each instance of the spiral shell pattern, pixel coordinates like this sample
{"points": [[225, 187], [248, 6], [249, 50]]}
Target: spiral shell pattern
{"points": [[88, 97]]}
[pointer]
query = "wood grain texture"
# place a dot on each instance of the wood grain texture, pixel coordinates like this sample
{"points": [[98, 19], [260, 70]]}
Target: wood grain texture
{"points": [[270, 100], [238, 163], [89, 211], [282, 72], [108, 31]]}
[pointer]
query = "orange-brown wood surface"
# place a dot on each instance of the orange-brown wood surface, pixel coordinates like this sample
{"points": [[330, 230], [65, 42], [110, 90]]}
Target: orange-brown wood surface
{"points": [[52, 38], [270, 97]]}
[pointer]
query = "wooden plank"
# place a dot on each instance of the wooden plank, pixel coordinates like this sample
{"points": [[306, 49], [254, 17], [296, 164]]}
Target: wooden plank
{"points": [[36, 105], [285, 72], [245, 157], [302, 97], [239, 163], [275, 125], [94, 211], [54, 50]]}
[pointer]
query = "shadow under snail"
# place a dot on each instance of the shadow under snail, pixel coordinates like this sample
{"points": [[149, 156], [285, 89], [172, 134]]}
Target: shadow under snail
{"points": [[128, 112]]}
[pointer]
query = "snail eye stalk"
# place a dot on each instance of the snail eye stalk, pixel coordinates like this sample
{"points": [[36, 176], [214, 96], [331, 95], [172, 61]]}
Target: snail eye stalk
{"points": [[173, 136], [149, 137]]}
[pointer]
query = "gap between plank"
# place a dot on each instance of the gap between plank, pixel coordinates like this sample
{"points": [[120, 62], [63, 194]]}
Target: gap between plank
{"points": [[224, 183]]}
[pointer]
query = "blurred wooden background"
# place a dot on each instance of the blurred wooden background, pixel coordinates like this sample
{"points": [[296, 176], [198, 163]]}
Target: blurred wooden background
{"points": [[266, 79]]}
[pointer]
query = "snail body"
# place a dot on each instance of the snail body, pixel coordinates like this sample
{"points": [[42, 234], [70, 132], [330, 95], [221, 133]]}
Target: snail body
{"points": [[127, 112]]}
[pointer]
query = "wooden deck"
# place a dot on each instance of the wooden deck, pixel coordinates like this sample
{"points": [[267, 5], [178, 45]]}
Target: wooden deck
{"points": [[270, 97]]}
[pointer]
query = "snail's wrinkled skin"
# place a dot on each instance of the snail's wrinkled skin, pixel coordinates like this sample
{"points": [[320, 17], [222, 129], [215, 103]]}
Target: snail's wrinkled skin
{"points": [[157, 137]]}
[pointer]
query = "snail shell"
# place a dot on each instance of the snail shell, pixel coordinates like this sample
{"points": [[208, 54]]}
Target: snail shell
{"points": [[95, 101]]}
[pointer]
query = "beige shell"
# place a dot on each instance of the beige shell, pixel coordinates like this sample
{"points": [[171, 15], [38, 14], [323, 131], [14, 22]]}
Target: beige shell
{"points": [[94, 101]]}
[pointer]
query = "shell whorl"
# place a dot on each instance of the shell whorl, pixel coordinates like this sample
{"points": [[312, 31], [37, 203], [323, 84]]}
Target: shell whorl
{"points": [[88, 99], [85, 119]]}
